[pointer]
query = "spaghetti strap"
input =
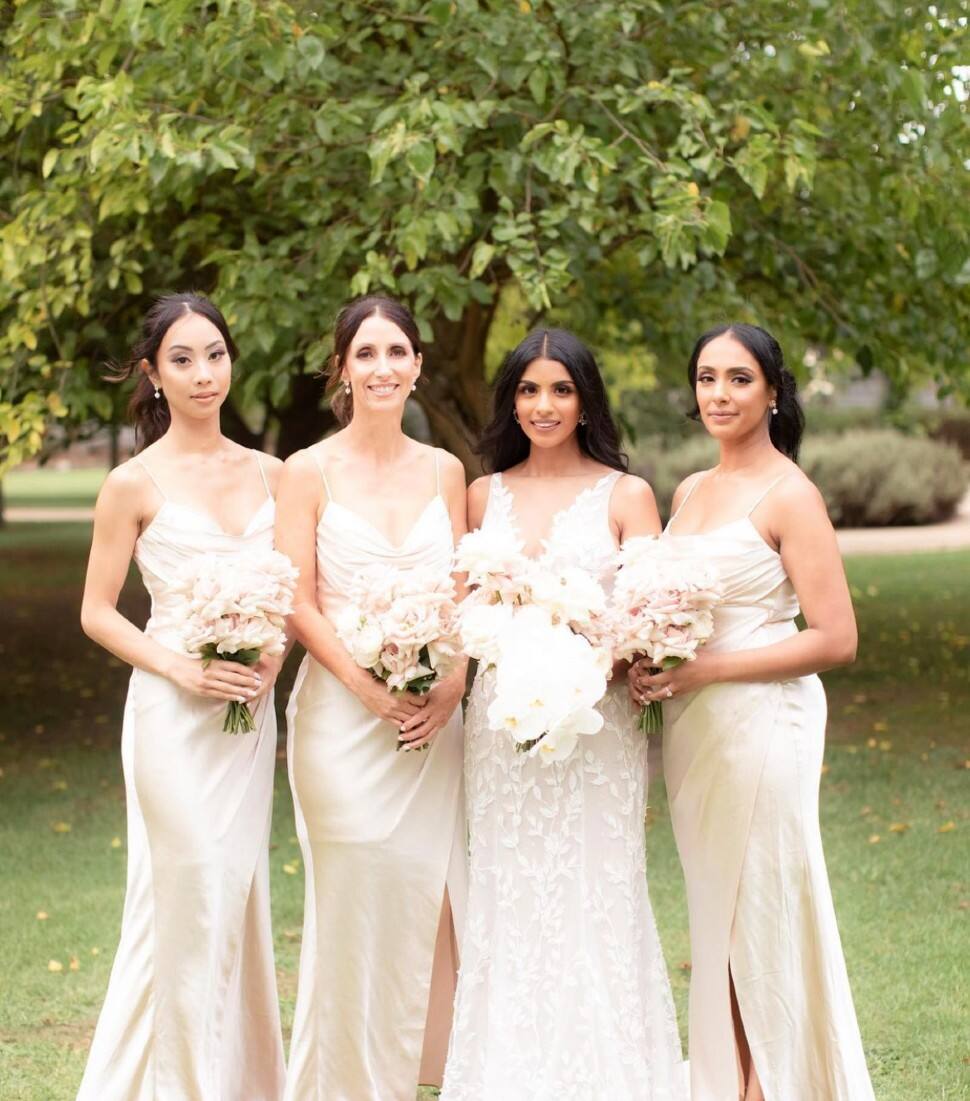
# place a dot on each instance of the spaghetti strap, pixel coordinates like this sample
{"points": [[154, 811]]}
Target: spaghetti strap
{"points": [[141, 462], [319, 466], [262, 473], [437, 475], [693, 485], [762, 496]]}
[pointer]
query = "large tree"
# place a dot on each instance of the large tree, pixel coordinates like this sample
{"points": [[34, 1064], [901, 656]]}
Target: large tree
{"points": [[635, 167]]}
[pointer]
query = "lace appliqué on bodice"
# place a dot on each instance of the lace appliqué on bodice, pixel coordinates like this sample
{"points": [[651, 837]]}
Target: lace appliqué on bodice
{"points": [[563, 992]]}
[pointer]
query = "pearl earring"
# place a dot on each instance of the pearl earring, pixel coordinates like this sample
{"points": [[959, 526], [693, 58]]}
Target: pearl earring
{"points": [[158, 393], [414, 386], [774, 408], [346, 387]]}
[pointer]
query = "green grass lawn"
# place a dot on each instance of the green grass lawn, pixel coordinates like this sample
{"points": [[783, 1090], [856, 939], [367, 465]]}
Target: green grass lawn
{"points": [[894, 799], [49, 488]]}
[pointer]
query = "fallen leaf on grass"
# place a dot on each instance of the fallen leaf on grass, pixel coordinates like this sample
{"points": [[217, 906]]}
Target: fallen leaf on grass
{"points": [[898, 827], [75, 964], [885, 746], [42, 915], [59, 785], [116, 842], [44, 762], [55, 965], [880, 726], [290, 869], [874, 838], [872, 743], [95, 951], [61, 827], [947, 827]]}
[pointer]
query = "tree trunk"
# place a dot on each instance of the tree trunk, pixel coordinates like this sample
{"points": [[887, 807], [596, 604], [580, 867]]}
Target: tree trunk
{"points": [[3, 518], [453, 392]]}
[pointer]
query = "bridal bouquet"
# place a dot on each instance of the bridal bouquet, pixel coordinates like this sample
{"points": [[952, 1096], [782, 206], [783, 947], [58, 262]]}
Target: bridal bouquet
{"points": [[662, 608], [401, 626], [236, 613], [539, 624]]}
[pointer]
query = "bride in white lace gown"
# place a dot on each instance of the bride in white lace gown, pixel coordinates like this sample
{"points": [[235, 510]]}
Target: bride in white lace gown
{"points": [[563, 993]]}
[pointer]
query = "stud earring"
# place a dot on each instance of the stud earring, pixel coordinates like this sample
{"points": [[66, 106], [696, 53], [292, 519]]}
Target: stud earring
{"points": [[414, 386], [582, 420]]}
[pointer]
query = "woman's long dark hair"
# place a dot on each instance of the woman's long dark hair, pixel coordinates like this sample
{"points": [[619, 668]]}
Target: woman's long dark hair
{"points": [[151, 415], [503, 443], [787, 425], [352, 315]]}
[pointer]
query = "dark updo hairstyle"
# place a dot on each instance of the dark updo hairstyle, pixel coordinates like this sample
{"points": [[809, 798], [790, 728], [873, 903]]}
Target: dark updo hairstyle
{"points": [[352, 315], [503, 443], [787, 425], [150, 414]]}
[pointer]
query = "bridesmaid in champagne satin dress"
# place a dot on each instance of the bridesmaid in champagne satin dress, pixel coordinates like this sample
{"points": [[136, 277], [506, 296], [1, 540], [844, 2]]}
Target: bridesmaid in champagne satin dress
{"points": [[771, 1012], [381, 830], [191, 1011]]}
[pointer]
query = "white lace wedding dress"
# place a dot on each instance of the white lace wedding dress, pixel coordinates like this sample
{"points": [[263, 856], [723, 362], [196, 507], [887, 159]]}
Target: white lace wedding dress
{"points": [[563, 992]]}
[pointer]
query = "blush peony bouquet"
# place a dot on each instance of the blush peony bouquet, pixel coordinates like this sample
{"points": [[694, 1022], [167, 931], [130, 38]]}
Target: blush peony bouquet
{"points": [[236, 613], [401, 626], [662, 609], [539, 624]]}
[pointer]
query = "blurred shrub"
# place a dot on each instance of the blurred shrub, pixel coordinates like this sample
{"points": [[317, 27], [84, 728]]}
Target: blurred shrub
{"points": [[882, 478], [868, 477]]}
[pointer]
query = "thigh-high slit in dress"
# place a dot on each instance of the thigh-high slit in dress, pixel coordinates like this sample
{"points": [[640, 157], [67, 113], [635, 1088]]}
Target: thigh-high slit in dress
{"points": [[742, 764], [382, 835]]}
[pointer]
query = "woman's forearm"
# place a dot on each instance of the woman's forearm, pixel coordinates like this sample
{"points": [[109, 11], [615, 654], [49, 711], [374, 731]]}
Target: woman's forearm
{"points": [[810, 651], [108, 628], [312, 628]]}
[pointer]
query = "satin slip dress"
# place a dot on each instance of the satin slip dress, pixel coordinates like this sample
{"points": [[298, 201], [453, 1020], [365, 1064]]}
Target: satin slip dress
{"points": [[382, 833], [191, 1012], [742, 764]]}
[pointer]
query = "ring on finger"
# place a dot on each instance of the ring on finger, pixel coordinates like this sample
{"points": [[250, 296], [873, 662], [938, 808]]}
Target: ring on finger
{"points": [[669, 692]]}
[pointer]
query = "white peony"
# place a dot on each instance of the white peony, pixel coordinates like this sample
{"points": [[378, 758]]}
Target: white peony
{"points": [[481, 625]]}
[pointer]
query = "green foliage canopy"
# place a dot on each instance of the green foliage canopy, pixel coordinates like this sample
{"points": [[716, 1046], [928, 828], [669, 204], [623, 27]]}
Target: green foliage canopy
{"points": [[639, 168]]}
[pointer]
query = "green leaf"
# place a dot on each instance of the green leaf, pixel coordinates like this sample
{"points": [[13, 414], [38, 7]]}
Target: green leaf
{"points": [[420, 159], [50, 159]]}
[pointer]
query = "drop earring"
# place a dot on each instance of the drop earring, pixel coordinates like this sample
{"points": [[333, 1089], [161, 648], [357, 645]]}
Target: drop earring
{"points": [[582, 420], [158, 393], [414, 386], [346, 387], [773, 407], [515, 416]]}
